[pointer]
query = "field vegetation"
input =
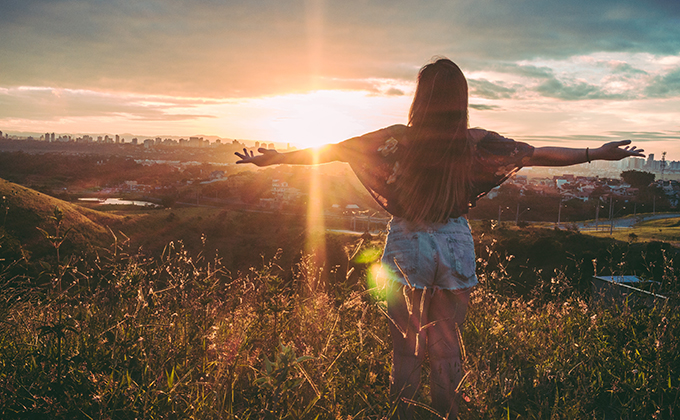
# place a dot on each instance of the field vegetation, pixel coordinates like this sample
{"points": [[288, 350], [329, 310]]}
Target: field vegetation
{"points": [[666, 230], [112, 331]]}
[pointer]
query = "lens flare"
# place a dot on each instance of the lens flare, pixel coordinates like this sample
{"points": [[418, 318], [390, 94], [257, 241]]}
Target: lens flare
{"points": [[377, 277]]}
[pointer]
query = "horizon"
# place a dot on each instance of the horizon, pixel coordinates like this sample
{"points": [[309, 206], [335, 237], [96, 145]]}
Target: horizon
{"points": [[547, 73]]}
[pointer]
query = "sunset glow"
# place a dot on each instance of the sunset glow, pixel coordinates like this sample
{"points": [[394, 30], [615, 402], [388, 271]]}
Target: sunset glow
{"points": [[322, 117], [319, 72]]}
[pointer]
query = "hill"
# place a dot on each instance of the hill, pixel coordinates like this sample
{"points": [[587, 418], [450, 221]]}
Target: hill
{"points": [[24, 211]]}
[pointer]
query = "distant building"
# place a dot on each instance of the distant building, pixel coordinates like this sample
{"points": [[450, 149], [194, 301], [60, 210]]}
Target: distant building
{"points": [[134, 141], [195, 141], [217, 175]]}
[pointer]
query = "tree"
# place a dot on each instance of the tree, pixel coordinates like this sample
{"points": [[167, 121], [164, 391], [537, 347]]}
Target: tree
{"points": [[638, 179]]}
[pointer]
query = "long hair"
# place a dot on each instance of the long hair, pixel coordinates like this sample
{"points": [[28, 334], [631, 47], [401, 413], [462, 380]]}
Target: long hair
{"points": [[435, 177]]}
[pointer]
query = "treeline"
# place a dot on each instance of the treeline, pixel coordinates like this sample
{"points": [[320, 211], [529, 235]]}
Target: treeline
{"points": [[52, 172], [528, 205]]}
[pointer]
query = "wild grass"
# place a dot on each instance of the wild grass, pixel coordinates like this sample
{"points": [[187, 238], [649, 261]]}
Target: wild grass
{"points": [[123, 336]]}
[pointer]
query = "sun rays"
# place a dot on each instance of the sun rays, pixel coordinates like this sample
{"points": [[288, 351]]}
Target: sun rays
{"points": [[315, 240]]}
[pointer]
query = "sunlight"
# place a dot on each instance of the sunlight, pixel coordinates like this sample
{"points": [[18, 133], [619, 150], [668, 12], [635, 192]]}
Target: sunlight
{"points": [[315, 241], [316, 118]]}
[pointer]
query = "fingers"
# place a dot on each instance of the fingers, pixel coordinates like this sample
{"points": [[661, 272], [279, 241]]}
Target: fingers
{"points": [[245, 156], [619, 143]]}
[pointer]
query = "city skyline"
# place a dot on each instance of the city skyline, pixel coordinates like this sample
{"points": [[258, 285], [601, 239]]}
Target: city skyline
{"points": [[305, 73]]}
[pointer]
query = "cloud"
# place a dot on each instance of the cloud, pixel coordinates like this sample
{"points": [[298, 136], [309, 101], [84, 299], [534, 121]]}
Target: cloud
{"points": [[665, 86], [647, 136], [484, 107], [42, 104], [625, 69], [574, 91], [636, 136], [489, 90], [231, 48], [529, 71], [395, 92]]}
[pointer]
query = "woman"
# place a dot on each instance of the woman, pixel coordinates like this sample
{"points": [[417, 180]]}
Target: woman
{"points": [[427, 175]]}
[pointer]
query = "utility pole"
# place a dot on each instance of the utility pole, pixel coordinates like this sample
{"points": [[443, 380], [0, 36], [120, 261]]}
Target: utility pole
{"points": [[597, 214], [559, 214], [611, 216], [663, 166], [517, 215]]}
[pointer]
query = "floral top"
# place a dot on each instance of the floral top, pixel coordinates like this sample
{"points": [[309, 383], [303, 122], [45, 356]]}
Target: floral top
{"points": [[374, 158]]}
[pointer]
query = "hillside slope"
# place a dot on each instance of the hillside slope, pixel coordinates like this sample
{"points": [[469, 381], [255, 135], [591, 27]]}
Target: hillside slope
{"points": [[23, 210]]}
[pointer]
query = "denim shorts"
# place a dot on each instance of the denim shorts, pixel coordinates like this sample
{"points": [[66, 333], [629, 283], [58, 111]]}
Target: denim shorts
{"points": [[431, 255]]}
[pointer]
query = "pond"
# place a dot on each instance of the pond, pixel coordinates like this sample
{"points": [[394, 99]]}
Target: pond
{"points": [[119, 202]]}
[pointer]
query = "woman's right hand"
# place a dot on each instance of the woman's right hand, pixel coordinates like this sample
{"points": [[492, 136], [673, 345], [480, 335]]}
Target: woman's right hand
{"points": [[267, 157]]}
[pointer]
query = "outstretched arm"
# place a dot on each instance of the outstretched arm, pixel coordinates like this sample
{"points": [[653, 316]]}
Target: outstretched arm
{"points": [[565, 156], [310, 156]]}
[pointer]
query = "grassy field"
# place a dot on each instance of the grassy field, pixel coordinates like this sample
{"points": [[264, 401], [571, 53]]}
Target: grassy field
{"points": [[125, 337], [181, 334], [666, 230]]}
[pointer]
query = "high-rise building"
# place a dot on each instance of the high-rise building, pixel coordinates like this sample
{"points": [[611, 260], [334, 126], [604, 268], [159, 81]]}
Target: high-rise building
{"points": [[117, 139], [52, 137]]}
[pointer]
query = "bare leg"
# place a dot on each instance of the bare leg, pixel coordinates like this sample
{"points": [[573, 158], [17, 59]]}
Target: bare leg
{"points": [[449, 310], [408, 344]]}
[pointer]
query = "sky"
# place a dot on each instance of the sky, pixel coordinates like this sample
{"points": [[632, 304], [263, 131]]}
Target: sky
{"points": [[307, 72]]}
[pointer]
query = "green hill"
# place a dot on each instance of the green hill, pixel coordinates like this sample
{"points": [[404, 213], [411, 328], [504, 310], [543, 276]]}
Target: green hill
{"points": [[23, 211]]}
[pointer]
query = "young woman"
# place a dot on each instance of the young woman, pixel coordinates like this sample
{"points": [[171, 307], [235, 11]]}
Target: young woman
{"points": [[427, 174]]}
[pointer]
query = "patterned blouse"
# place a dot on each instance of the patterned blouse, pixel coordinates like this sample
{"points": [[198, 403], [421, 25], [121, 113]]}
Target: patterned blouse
{"points": [[374, 158]]}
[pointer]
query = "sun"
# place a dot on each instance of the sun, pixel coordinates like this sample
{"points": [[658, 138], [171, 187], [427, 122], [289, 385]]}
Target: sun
{"points": [[321, 117]]}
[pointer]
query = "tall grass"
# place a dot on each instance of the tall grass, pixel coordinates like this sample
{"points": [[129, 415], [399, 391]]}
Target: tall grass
{"points": [[122, 336]]}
